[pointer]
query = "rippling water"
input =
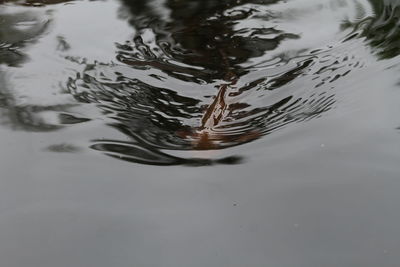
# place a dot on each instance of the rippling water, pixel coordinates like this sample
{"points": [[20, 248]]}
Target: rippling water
{"points": [[185, 75], [305, 90]]}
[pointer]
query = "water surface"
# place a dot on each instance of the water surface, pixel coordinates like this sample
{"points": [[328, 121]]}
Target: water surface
{"points": [[199, 133]]}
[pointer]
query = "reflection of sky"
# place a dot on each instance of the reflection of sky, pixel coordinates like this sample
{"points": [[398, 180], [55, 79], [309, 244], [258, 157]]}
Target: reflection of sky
{"points": [[35, 82], [299, 17], [94, 37]]}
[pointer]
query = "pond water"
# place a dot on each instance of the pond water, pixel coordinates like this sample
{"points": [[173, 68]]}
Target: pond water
{"points": [[200, 133]]}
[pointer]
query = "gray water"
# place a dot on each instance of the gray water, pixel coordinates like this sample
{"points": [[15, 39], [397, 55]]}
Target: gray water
{"points": [[199, 133]]}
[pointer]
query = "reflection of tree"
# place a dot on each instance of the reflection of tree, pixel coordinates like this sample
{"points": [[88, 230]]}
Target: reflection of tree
{"points": [[201, 33], [382, 31], [197, 45], [14, 40], [183, 74]]}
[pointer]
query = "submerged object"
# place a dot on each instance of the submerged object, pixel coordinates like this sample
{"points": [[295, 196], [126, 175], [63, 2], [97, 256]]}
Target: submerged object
{"points": [[207, 136]]}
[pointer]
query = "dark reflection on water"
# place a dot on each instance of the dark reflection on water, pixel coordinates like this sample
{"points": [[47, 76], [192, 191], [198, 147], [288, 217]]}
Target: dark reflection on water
{"points": [[203, 75], [382, 31], [209, 57]]}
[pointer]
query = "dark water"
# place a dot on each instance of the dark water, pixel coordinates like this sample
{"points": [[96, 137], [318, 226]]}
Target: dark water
{"points": [[200, 133]]}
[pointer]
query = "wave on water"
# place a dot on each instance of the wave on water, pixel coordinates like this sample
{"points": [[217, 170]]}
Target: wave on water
{"points": [[210, 75]]}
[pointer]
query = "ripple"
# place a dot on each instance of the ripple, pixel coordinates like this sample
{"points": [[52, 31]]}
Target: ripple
{"points": [[209, 82], [207, 75]]}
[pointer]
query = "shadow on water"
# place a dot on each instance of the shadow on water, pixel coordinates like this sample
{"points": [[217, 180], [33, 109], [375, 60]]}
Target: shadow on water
{"points": [[207, 75]]}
